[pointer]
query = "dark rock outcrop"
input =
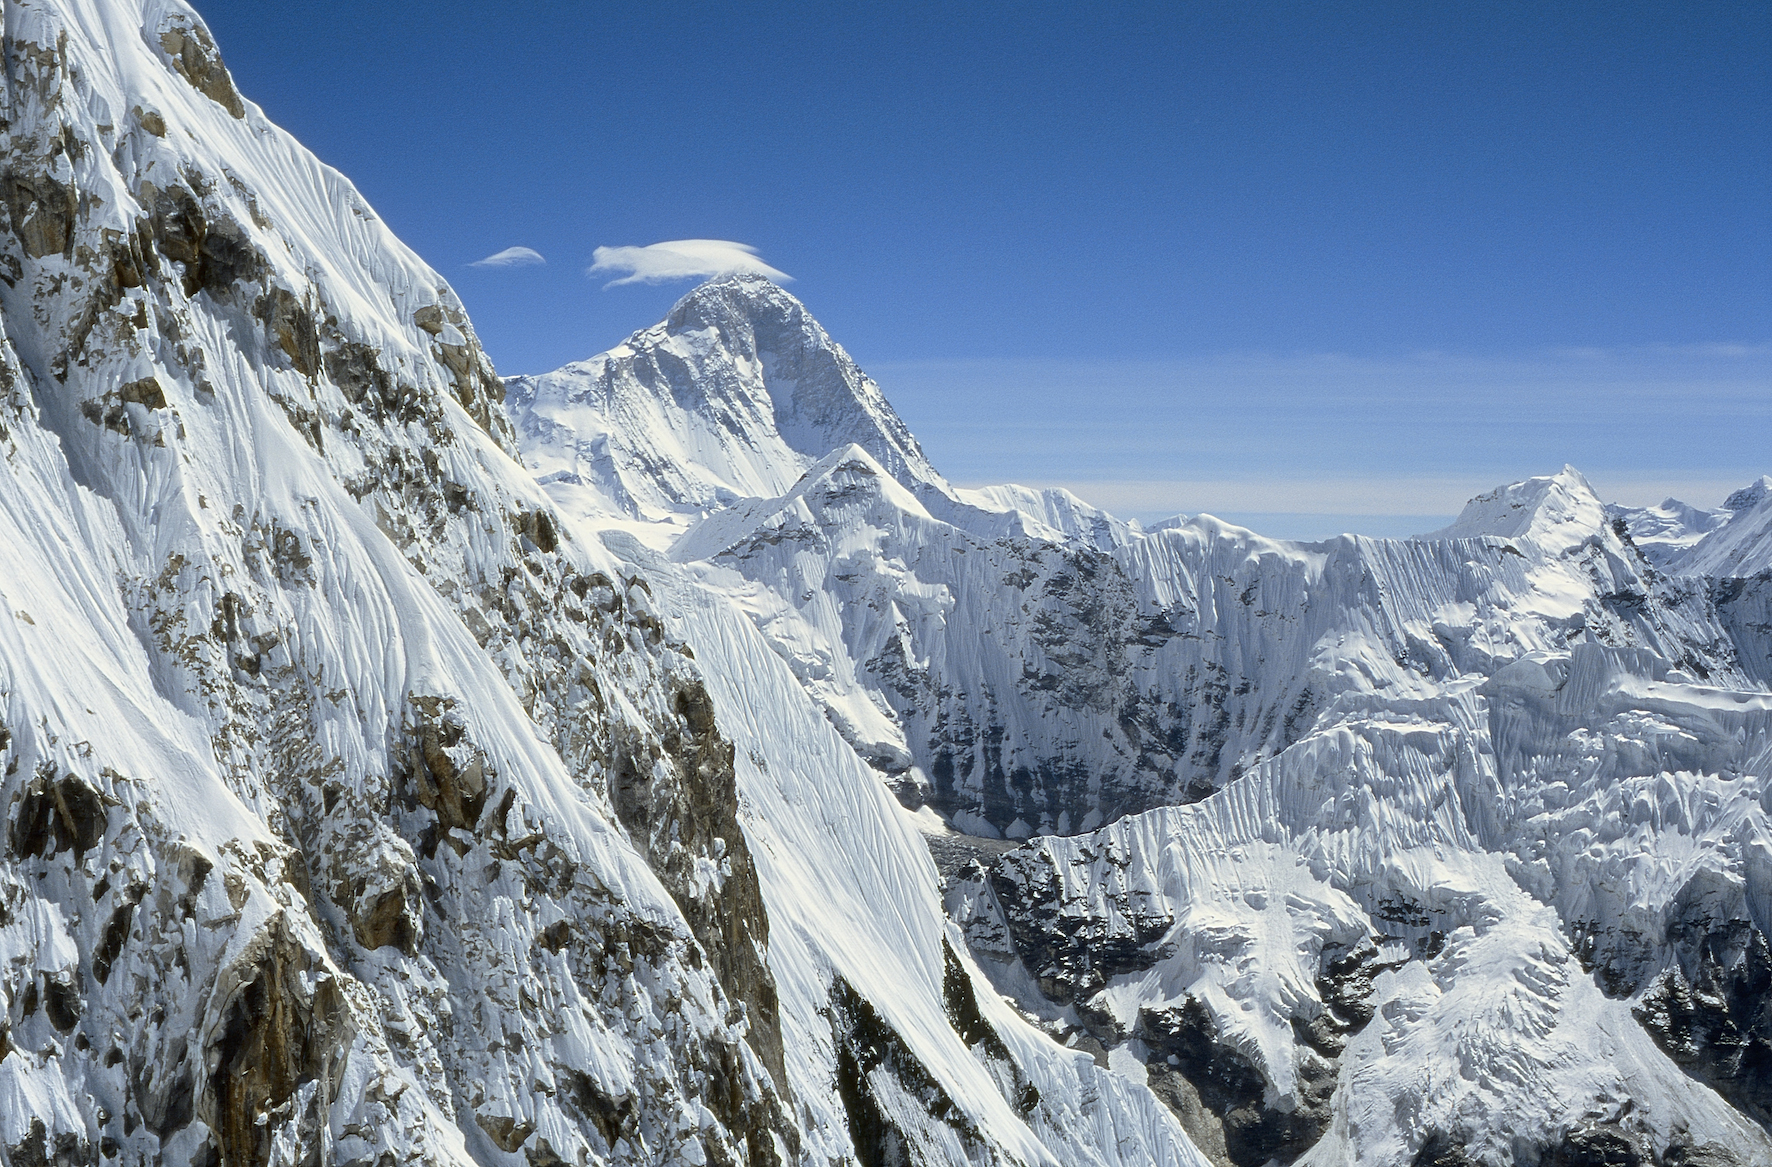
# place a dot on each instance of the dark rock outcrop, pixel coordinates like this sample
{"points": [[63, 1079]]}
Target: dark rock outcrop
{"points": [[285, 1026]]}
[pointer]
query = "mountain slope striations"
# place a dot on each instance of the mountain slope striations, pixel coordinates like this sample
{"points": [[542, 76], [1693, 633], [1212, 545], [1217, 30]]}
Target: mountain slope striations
{"points": [[304, 823], [358, 810]]}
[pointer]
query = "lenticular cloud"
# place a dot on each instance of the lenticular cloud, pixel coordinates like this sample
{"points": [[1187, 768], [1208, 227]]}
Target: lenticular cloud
{"points": [[679, 259], [511, 257]]}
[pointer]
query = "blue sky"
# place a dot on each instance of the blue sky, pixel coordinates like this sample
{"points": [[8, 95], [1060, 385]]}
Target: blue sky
{"points": [[1332, 265]]}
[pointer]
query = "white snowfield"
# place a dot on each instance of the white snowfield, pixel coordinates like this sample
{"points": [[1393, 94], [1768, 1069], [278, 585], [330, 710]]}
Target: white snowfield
{"points": [[1480, 869]]}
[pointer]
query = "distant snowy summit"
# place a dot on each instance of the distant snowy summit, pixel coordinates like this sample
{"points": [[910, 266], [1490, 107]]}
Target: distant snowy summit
{"points": [[734, 395], [1556, 512], [1733, 540]]}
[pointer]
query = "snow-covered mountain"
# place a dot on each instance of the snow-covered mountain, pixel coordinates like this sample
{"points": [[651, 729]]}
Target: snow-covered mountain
{"points": [[1474, 866], [359, 809], [1733, 540], [1742, 547], [733, 396], [1029, 684], [372, 797]]}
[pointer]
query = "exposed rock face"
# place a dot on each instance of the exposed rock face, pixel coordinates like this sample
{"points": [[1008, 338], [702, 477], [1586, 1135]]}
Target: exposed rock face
{"points": [[1074, 956], [1745, 608], [191, 50], [683, 806], [1712, 1011], [285, 1029]]}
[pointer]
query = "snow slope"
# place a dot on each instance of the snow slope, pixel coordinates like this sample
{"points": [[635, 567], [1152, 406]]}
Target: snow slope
{"points": [[1743, 546], [1685, 540], [363, 804], [855, 910], [311, 840]]}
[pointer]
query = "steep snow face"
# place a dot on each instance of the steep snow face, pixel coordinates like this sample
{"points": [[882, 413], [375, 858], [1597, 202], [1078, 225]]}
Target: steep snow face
{"points": [[1057, 516], [359, 811], [1743, 546], [353, 809], [733, 396], [876, 985], [1685, 540]]}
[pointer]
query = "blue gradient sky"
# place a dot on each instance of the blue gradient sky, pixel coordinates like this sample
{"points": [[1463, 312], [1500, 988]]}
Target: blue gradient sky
{"points": [[1321, 259]]}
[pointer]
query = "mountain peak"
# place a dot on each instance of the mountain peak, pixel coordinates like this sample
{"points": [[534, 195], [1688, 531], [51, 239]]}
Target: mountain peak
{"points": [[743, 290], [1555, 511], [1751, 495], [1742, 545], [734, 395]]}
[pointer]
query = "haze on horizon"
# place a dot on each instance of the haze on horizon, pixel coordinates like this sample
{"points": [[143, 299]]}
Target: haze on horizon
{"points": [[1311, 268]]}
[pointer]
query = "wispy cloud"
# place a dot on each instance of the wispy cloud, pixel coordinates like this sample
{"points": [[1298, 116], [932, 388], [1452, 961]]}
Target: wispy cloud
{"points": [[679, 259], [511, 257]]}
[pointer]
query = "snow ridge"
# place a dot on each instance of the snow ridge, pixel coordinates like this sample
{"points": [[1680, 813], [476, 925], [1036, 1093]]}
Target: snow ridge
{"points": [[1728, 541]]}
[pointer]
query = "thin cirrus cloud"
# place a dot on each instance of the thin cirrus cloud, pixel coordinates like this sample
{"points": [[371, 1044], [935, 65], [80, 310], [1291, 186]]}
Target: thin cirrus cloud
{"points": [[679, 259], [511, 257]]}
